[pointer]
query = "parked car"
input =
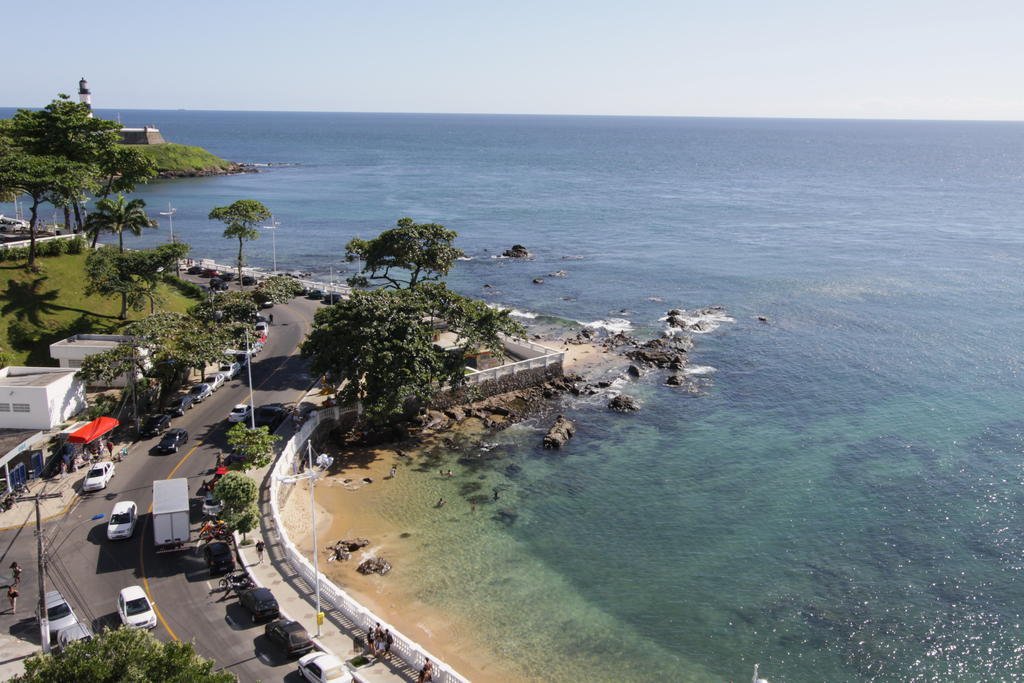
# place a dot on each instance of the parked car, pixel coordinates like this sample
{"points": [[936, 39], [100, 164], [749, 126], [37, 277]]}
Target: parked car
{"points": [[290, 636], [267, 304], [216, 380], [219, 557], [218, 285], [194, 270], [58, 613], [201, 392], [155, 424], [122, 520], [72, 634], [172, 441], [262, 328], [262, 319], [270, 416], [248, 280], [260, 603], [212, 505], [331, 298], [98, 476], [240, 413], [230, 369], [135, 609], [316, 294], [179, 405], [320, 667], [209, 272], [227, 276]]}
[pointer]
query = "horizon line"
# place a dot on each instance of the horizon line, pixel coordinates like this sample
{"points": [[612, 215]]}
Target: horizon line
{"points": [[620, 116]]}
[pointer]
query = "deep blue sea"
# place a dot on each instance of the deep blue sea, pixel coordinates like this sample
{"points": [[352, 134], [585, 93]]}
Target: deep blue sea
{"points": [[844, 503]]}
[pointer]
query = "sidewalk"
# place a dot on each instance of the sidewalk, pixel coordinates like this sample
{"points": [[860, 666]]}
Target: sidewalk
{"points": [[24, 512], [297, 600]]}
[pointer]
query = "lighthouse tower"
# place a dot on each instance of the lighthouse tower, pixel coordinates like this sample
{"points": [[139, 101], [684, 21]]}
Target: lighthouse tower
{"points": [[84, 96]]}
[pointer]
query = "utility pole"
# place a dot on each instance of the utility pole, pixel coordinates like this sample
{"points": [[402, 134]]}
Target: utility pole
{"points": [[44, 623]]}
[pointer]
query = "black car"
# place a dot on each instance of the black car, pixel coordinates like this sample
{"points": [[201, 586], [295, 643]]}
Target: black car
{"points": [[171, 440], [290, 635], [179, 405], [316, 294], [219, 557], [248, 280], [194, 270], [218, 285], [270, 416], [260, 602], [227, 276], [331, 298], [155, 424]]}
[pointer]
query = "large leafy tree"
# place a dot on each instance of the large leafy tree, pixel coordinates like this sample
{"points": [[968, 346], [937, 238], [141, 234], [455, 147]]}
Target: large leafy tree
{"points": [[124, 655], [236, 491], [177, 344], [254, 445], [404, 256], [279, 289], [118, 216], [132, 275], [242, 219], [380, 346]]}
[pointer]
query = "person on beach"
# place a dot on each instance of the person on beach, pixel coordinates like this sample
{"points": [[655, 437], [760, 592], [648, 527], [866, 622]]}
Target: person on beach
{"points": [[15, 573], [394, 471], [440, 503], [259, 550], [449, 474], [495, 494]]}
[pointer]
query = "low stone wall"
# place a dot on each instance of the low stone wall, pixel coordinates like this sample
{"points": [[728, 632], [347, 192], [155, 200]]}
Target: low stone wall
{"points": [[502, 385]]}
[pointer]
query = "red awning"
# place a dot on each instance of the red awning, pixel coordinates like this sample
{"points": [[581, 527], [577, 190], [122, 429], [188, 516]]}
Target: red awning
{"points": [[93, 430]]}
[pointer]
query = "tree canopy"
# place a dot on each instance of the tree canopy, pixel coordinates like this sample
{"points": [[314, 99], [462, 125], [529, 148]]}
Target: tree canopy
{"points": [[379, 344], [237, 492], [253, 445], [124, 655], [279, 289], [402, 257], [132, 275], [242, 219]]}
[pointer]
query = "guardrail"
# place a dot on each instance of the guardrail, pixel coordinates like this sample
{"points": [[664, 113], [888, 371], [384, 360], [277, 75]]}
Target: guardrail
{"points": [[406, 649], [259, 273], [550, 357], [48, 238]]}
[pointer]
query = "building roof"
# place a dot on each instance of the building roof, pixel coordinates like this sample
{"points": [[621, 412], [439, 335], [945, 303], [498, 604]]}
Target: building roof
{"points": [[110, 340], [32, 377]]}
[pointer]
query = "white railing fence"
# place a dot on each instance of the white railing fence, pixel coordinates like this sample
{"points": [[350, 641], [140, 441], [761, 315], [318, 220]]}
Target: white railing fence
{"points": [[543, 356], [288, 463], [260, 273]]}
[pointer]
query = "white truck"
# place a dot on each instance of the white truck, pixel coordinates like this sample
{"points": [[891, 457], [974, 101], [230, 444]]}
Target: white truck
{"points": [[170, 514]]}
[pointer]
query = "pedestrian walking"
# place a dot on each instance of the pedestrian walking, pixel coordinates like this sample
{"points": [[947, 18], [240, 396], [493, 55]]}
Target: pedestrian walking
{"points": [[12, 595], [394, 471], [271, 318], [15, 573], [388, 641], [63, 468], [259, 550], [110, 448]]}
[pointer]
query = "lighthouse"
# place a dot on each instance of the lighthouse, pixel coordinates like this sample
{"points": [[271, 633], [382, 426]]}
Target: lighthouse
{"points": [[84, 96]]}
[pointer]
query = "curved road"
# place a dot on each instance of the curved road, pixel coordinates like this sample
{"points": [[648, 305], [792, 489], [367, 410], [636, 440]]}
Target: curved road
{"points": [[90, 570]]}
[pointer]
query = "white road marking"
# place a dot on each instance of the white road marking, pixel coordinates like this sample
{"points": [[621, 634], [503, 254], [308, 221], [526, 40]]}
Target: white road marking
{"points": [[263, 658]]}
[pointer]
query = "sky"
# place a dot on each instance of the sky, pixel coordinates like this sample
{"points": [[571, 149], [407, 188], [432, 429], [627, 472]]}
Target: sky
{"points": [[934, 59]]}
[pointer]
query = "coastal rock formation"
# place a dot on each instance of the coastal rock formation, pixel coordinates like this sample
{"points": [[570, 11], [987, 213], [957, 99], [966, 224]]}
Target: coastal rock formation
{"points": [[560, 433], [374, 565], [538, 280], [517, 251], [663, 352], [342, 549], [234, 169], [689, 385], [558, 273], [624, 404]]}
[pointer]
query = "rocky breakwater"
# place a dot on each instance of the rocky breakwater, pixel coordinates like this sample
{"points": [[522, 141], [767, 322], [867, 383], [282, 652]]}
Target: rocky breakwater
{"points": [[560, 433], [233, 169]]}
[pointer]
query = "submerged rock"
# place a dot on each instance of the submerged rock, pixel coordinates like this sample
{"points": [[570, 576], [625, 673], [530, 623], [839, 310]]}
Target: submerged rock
{"points": [[560, 433], [374, 565], [517, 251], [624, 404], [538, 280]]}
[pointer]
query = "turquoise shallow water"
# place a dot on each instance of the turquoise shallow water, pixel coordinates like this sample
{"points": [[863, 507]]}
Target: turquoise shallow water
{"points": [[842, 503]]}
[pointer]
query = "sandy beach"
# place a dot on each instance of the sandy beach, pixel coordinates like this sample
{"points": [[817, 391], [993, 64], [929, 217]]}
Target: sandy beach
{"points": [[361, 499]]}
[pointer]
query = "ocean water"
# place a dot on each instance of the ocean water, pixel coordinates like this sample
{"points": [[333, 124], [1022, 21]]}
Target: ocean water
{"points": [[843, 502]]}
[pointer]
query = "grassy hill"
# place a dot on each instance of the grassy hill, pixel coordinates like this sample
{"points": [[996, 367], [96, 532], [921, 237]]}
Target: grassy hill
{"points": [[37, 309], [173, 157]]}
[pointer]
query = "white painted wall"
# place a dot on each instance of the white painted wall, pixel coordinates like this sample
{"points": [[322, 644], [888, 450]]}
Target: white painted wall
{"points": [[39, 406]]}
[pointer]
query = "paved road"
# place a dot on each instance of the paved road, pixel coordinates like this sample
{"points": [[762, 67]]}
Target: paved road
{"points": [[90, 570]]}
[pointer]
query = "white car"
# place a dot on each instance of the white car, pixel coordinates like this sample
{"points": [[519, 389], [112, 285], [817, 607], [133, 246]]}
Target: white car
{"points": [[122, 520], [216, 380], [262, 328], [73, 633], [201, 392], [320, 667], [135, 609], [240, 413], [230, 370], [58, 613], [211, 505], [98, 476]]}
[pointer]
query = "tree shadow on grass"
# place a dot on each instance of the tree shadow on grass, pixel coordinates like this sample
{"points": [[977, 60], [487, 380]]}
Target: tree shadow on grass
{"points": [[27, 302]]}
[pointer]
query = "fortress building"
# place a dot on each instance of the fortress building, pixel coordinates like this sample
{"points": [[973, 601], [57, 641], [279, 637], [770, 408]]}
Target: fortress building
{"points": [[148, 135]]}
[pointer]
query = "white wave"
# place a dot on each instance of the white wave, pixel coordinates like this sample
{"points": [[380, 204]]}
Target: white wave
{"points": [[699, 370], [701, 322], [515, 312], [464, 258], [612, 325]]}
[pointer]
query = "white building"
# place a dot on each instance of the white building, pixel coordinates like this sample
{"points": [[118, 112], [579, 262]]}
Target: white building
{"points": [[70, 352], [39, 398]]}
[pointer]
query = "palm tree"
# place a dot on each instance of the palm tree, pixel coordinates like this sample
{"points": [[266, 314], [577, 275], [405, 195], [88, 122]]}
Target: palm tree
{"points": [[116, 216]]}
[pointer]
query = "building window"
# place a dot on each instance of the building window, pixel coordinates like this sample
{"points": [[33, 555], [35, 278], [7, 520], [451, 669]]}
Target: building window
{"points": [[20, 407], [74, 363], [5, 407]]}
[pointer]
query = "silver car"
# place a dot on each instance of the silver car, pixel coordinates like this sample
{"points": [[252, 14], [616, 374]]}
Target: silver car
{"points": [[58, 613], [216, 380], [201, 392]]}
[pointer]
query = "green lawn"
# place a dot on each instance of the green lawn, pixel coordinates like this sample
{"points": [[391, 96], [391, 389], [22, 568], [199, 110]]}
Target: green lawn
{"points": [[174, 157], [37, 309]]}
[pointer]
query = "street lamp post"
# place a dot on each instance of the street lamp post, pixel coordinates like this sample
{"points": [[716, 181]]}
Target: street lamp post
{"points": [[312, 475], [170, 220], [248, 366], [273, 239]]}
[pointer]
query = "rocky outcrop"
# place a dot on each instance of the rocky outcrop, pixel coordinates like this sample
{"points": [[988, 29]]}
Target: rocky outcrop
{"points": [[517, 251], [663, 352], [624, 404], [538, 280], [343, 549], [558, 273], [233, 169], [560, 433], [374, 565]]}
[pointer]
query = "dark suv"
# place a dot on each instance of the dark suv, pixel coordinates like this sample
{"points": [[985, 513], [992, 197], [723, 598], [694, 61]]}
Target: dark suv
{"points": [[260, 602], [270, 416], [172, 440], [289, 635], [179, 405], [155, 424], [219, 557]]}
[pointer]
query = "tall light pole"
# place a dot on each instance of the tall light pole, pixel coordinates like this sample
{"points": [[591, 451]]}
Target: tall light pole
{"points": [[248, 366], [312, 475], [273, 239], [170, 220]]}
